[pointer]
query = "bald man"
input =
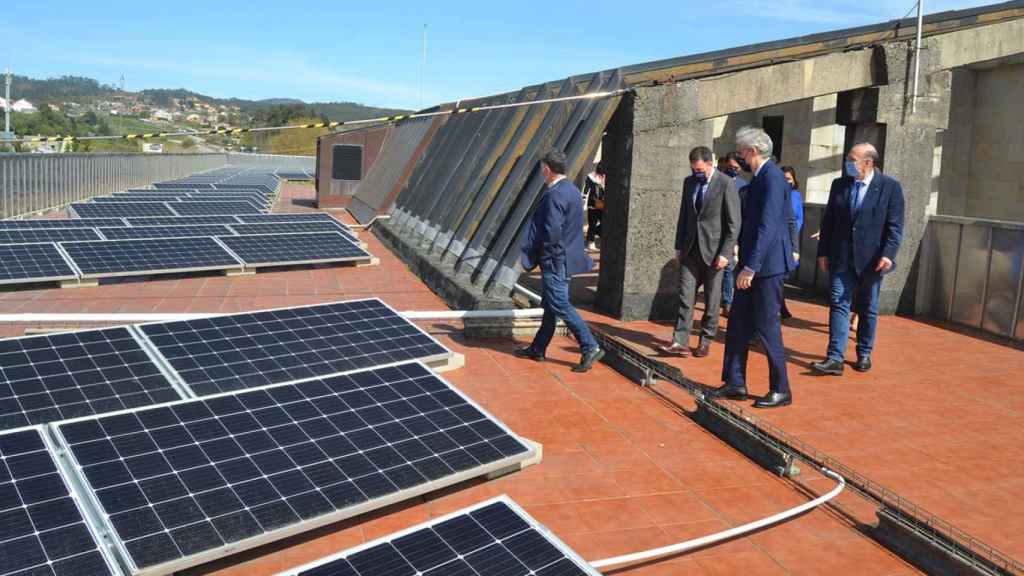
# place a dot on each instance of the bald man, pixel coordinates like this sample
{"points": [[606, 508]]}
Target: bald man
{"points": [[861, 232]]}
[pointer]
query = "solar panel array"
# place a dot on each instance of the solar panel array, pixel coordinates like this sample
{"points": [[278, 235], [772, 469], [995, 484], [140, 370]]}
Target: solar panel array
{"points": [[181, 481], [20, 263], [55, 377], [495, 537], [202, 207], [237, 351], [131, 257], [43, 532], [172, 481], [301, 248]]}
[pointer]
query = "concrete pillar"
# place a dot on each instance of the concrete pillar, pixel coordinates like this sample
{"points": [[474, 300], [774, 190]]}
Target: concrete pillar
{"points": [[906, 142], [665, 128]]}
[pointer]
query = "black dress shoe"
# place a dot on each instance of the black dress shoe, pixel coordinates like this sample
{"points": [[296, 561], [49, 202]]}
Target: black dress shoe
{"points": [[863, 364], [730, 392], [774, 400], [704, 349], [830, 367], [588, 360], [529, 353]]}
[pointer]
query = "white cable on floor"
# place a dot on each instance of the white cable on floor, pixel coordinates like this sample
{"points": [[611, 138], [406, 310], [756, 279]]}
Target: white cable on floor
{"points": [[132, 318], [727, 534]]}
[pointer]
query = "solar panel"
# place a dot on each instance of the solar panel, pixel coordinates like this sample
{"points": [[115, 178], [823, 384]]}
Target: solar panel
{"points": [[42, 529], [20, 263], [292, 227], [490, 538], [231, 352], [55, 223], [182, 220], [212, 208], [120, 209], [299, 217], [137, 232], [134, 198], [128, 257], [31, 235], [181, 482], [178, 184], [73, 374], [284, 249]]}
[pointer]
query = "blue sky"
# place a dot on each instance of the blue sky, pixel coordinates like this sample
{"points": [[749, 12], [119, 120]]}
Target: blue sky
{"points": [[369, 51]]}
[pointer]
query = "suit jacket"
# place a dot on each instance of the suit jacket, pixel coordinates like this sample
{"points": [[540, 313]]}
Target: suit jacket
{"points": [[717, 226], [555, 235], [876, 231], [766, 246]]}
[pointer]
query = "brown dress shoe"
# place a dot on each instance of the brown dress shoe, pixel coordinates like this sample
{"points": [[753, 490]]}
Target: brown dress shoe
{"points": [[675, 349], [703, 350]]}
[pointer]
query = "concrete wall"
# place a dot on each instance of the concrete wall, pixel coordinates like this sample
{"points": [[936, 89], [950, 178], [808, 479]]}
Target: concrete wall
{"points": [[982, 173]]}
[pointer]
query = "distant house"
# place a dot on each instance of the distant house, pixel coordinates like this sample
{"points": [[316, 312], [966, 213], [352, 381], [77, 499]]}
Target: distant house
{"points": [[193, 118], [161, 114], [23, 106]]}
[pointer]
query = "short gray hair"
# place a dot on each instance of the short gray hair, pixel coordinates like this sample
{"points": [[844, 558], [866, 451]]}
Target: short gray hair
{"points": [[868, 151], [759, 140]]}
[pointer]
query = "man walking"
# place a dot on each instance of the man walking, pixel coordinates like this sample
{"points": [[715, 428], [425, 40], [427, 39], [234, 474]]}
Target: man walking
{"points": [[554, 241], [729, 164], [765, 257], [861, 232], [709, 223]]}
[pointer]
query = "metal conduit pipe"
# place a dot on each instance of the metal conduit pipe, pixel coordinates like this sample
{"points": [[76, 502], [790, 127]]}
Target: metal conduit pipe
{"points": [[726, 534], [30, 318]]}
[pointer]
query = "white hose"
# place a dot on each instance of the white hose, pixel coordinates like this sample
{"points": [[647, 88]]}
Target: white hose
{"points": [[727, 534], [132, 318]]}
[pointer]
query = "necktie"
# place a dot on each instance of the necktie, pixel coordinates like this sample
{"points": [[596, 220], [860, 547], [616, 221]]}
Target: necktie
{"points": [[698, 201], [856, 200]]}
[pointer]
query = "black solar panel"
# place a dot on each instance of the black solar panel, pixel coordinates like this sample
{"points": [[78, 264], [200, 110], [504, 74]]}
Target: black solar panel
{"points": [[182, 220], [494, 537], [120, 209], [134, 198], [42, 529], [308, 248], [213, 208], [32, 263], [292, 227], [60, 376], [237, 351], [299, 217], [180, 184], [55, 223], [138, 232], [186, 479], [125, 257], [30, 235]]}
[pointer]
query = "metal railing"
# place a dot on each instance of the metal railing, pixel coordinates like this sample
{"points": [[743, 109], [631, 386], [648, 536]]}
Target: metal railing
{"points": [[307, 163], [34, 183], [972, 273]]}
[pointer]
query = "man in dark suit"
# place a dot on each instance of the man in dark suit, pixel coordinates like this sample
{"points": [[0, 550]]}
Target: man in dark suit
{"points": [[765, 258], [554, 241], [861, 232], [730, 165], [709, 222]]}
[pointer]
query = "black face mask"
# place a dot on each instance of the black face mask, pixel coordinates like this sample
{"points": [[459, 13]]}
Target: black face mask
{"points": [[730, 172], [700, 176]]}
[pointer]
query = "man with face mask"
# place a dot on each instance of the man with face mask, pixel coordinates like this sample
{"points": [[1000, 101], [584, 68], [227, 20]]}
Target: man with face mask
{"points": [[861, 232], [709, 222], [765, 257], [731, 165]]}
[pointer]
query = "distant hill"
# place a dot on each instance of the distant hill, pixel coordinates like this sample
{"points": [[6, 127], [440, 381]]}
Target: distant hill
{"points": [[87, 90]]}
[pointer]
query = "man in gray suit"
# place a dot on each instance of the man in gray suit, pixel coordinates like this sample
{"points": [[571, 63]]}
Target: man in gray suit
{"points": [[709, 224]]}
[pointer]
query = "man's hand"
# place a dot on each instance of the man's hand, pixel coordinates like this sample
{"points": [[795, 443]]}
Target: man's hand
{"points": [[823, 263], [796, 257], [884, 265], [721, 262], [745, 279]]}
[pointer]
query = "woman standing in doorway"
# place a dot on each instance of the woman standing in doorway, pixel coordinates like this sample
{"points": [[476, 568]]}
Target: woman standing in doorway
{"points": [[593, 193]]}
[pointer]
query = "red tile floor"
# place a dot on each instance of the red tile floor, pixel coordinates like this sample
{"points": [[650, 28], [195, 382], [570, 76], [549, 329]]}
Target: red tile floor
{"points": [[625, 469]]}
